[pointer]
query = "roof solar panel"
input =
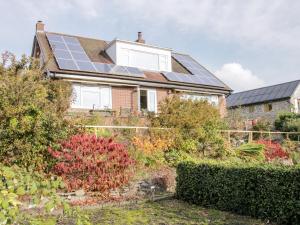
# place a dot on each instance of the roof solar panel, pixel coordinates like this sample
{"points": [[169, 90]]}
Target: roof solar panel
{"points": [[58, 45], [66, 64], [71, 40], [62, 54], [203, 75], [76, 48], [70, 55], [86, 66], [54, 37], [81, 56], [265, 94]]}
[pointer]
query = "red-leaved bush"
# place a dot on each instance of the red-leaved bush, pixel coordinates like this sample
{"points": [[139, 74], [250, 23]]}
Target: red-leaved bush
{"points": [[273, 150], [92, 163]]}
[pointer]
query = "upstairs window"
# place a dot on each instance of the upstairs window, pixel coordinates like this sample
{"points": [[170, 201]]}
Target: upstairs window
{"points": [[91, 97], [251, 109], [148, 100], [268, 107]]}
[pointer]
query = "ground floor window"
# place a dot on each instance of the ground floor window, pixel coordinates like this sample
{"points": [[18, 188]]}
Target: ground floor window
{"points": [[148, 100], [212, 99], [91, 96]]}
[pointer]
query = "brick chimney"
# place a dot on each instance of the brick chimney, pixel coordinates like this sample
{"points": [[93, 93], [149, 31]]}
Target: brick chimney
{"points": [[40, 26], [140, 38]]}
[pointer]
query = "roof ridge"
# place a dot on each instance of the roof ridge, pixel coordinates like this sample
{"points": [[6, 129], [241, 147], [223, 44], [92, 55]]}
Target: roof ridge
{"points": [[77, 36], [266, 87]]}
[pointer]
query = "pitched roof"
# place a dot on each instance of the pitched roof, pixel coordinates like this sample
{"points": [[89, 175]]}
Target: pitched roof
{"points": [[95, 49], [264, 94]]}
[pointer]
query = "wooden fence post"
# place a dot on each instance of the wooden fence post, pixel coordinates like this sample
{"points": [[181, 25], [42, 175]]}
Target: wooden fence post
{"points": [[250, 138]]}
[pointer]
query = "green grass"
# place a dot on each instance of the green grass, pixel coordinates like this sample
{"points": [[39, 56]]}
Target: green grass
{"points": [[163, 213]]}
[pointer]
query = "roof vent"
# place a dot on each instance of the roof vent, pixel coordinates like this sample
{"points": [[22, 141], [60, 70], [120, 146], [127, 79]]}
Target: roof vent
{"points": [[140, 38], [40, 26]]}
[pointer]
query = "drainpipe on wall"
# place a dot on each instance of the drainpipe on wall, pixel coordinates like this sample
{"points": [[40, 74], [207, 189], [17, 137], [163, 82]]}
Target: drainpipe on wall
{"points": [[138, 99]]}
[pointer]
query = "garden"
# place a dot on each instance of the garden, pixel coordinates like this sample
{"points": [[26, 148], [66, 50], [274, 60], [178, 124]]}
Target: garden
{"points": [[57, 168]]}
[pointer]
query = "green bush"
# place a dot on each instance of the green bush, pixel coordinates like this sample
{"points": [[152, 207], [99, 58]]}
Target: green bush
{"points": [[288, 122], [251, 152], [263, 191], [195, 124], [32, 110]]}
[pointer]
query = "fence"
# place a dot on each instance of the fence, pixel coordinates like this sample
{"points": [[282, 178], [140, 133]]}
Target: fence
{"points": [[233, 136]]}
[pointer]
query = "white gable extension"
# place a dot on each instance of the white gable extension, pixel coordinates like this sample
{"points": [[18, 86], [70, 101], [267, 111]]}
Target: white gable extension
{"points": [[143, 56]]}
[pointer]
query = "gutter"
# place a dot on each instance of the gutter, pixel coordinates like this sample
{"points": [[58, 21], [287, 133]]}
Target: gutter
{"points": [[120, 82]]}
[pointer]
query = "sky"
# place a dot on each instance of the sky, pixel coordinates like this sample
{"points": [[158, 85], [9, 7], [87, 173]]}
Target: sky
{"points": [[248, 44]]}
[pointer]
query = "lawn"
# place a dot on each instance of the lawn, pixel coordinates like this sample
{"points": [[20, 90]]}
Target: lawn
{"points": [[162, 213]]}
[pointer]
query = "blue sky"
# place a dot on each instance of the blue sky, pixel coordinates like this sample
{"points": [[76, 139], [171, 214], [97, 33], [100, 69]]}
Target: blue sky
{"points": [[248, 44]]}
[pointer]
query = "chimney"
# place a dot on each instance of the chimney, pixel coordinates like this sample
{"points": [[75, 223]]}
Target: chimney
{"points": [[39, 27], [140, 38]]}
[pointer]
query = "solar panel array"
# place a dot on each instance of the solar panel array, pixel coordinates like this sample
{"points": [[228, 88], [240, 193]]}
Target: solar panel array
{"points": [[264, 94], [200, 74], [70, 55]]}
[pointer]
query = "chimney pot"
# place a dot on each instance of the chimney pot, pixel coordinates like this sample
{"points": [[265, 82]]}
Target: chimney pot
{"points": [[40, 26], [140, 38]]}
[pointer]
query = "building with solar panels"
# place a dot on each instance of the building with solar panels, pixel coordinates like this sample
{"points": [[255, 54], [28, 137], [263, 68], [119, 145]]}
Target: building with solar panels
{"points": [[122, 77], [266, 102]]}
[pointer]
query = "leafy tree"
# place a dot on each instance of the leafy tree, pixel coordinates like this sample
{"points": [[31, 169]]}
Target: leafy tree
{"points": [[288, 122], [195, 124], [32, 110]]}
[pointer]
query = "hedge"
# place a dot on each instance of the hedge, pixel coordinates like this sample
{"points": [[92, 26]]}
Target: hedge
{"points": [[263, 191]]}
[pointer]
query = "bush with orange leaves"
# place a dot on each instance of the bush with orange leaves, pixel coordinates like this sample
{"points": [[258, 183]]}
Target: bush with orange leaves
{"points": [[151, 147]]}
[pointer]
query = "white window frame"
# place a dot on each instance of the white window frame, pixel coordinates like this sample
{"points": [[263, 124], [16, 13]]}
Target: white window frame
{"points": [[148, 99], [162, 60], [100, 88], [210, 98]]}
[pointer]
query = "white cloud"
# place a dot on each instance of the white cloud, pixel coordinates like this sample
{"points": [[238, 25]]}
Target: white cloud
{"points": [[238, 78], [259, 23]]}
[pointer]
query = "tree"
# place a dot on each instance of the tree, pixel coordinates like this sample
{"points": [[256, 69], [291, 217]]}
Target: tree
{"points": [[32, 111], [196, 124]]}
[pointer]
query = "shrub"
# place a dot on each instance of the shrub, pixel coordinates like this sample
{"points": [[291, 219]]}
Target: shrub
{"points": [[273, 150], [251, 152], [191, 120], [32, 110], [262, 191], [288, 122], [17, 183], [91, 163]]}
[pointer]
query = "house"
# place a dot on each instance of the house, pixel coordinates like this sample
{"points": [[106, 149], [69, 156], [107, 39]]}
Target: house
{"points": [[122, 77], [266, 102]]}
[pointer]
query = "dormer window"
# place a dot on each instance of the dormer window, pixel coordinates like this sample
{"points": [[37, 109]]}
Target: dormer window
{"points": [[143, 56]]}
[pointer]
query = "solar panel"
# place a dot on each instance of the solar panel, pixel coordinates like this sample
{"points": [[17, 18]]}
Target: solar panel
{"points": [[265, 94], [70, 55], [203, 75], [86, 66], [66, 64]]}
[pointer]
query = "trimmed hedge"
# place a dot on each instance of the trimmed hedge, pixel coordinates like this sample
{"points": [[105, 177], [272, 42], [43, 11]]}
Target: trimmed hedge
{"points": [[263, 191]]}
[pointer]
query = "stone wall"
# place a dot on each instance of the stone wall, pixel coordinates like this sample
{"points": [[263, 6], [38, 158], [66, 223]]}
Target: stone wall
{"points": [[259, 112]]}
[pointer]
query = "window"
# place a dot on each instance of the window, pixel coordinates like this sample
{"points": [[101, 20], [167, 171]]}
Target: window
{"points": [[143, 60], [251, 109], [148, 101], [212, 99], [268, 107], [91, 97]]}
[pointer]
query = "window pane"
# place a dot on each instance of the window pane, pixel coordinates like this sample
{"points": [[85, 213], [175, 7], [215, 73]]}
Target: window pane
{"points": [[76, 102], [152, 101], [143, 99], [90, 96], [105, 98], [143, 60]]}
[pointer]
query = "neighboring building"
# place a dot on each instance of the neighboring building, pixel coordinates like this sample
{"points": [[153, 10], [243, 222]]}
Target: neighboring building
{"points": [[124, 77], [266, 102]]}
